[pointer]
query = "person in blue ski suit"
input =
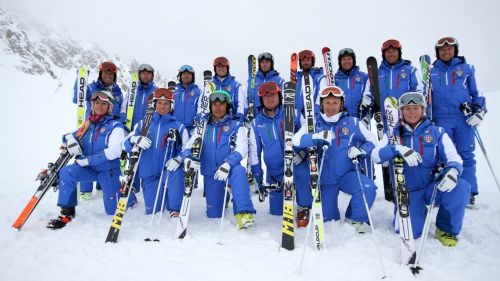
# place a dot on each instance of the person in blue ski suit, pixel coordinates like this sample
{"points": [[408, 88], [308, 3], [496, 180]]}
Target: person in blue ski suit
{"points": [[318, 80], [396, 76], [224, 81], [453, 83], [268, 135], [266, 73], [97, 147], [187, 97], [105, 82], [224, 145], [347, 139], [157, 149], [424, 147]]}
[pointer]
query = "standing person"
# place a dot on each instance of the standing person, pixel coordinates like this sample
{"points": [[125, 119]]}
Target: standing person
{"points": [[268, 134], [153, 158], [224, 81], [187, 96], [307, 60], [97, 159], [425, 147], [224, 146], [266, 73], [396, 76], [453, 84], [106, 81], [347, 140]]}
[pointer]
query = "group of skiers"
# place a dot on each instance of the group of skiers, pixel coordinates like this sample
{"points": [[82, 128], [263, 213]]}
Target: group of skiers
{"points": [[437, 148]]}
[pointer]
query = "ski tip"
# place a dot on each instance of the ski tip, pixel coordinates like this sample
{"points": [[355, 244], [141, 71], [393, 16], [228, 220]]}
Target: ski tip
{"points": [[415, 269], [182, 235], [325, 50], [147, 239], [250, 57]]}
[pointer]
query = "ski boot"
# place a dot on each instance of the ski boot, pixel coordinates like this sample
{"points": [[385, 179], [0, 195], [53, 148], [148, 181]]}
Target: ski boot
{"points": [[244, 220], [359, 226], [302, 217], [66, 215], [472, 200], [85, 196], [447, 239]]}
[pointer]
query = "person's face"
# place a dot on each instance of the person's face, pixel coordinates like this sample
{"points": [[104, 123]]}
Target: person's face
{"points": [[145, 76], [412, 114], [218, 110], [265, 65], [347, 63], [186, 77], [221, 70], [306, 63], [162, 106], [331, 105], [100, 107], [271, 101], [446, 52], [108, 77], [391, 55]]}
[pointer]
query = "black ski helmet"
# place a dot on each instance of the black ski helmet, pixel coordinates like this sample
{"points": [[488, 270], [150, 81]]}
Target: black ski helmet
{"points": [[451, 41], [347, 52], [266, 56]]}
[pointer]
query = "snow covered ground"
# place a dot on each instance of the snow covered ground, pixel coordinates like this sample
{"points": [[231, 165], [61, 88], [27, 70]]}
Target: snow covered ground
{"points": [[37, 110]]}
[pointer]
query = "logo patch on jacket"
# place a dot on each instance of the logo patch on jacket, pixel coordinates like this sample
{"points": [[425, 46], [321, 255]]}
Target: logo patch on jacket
{"points": [[102, 130], [191, 93], [345, 131], [428, 138], [228, 88], [459, 72], [226, 128], [357, 78], [403, 74]]}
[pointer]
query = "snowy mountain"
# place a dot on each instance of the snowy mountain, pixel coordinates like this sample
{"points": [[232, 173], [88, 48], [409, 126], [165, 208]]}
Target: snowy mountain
{"points": [[38, 66]]}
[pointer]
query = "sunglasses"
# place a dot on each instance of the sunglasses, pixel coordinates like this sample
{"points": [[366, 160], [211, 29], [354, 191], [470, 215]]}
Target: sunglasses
{"points": [[107, 66], [391, 43], [221, 61], [269, 88], [185, 68], [332, 90], [446, 41], [146, 67], [306, 54], [220, 95]]}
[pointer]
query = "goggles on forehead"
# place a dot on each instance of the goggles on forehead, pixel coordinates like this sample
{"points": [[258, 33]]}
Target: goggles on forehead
{"points": [[104, 96], [163, 93], [146, 67], [346, 51], [269, 88], [187, 68], [266, 56], [332, 91], [391, 43], [446, 41], [221, 96], [306, 54], [221, 61], [107, 66], [412, 98]]}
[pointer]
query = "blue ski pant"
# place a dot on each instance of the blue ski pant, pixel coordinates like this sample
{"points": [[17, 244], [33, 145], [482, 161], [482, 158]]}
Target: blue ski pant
{"points": [[109, 180], [89, 186], [451, 211], [462, 135], [172, 199], [302, 188], [240, 189], [349, 183]]}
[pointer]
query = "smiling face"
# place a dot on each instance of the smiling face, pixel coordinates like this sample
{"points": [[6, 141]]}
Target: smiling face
{"points": [[446, 53], [218, 110], [145, 76], [331, 105], [100, 107], [107, 77], [412, 114], [347, 63], [221, 70], [163, 106], [271, 101], [391, 55]]}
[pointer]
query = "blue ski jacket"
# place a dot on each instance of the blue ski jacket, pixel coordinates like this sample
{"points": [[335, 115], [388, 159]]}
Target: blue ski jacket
{"points": [[452, 85], [431, 142], [318, 82], [354, 85], [151, 162], [99, 86], [186, 104], [395, 80], [142, 97]]}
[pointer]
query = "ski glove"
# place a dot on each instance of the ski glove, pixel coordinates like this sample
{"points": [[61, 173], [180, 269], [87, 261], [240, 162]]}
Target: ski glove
{"points": [[140, 141], [173, 164], [299, 157], [411, 157], [191, 164], [223, 172], [72, 145], [448, 180], [323, 137], [355, 152], [475, 119], [366, 102], [82, 161]]}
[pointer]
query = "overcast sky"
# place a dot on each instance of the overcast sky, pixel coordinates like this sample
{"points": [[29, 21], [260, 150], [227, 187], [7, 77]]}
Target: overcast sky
{"points": [[168, 34]]}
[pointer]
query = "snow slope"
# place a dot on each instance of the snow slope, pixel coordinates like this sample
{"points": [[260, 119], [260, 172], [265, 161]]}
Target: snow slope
{"points": [[37, 110]]}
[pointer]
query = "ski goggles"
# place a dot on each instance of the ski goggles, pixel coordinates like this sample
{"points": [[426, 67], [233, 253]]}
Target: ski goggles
{"points": [[145, 67], [104, 96], [446, 41], [221, 61], [346, 51], [220, 95], [412, 98], [306, 54], [269, 88], [107, 66], [266, 56], [163, 94], [185, 68], [333, 91], [391, 43]]}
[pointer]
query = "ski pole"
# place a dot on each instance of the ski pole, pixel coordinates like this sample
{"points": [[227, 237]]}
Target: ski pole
{"points": [[308, 230], [483, 149], [232, 146], [356, 165]]}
